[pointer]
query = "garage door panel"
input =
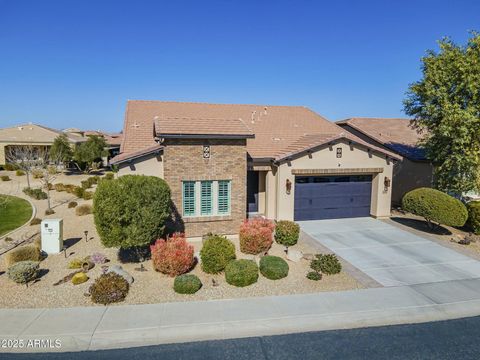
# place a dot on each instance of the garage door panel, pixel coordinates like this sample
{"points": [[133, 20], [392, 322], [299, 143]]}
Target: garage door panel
{"points": [[327, 199]]}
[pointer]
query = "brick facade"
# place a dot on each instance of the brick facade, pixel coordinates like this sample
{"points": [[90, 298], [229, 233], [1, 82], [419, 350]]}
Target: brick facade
{"points": [[183, 160]]}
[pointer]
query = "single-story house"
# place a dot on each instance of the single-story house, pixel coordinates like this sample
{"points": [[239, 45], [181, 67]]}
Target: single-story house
{"points": [[32, 135], [402, 138], [226, 162]]}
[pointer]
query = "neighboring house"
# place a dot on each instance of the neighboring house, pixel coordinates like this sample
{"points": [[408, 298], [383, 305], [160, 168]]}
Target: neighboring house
{"points": [[114, 140], [223, 162], [400, 137], [31, 134]]}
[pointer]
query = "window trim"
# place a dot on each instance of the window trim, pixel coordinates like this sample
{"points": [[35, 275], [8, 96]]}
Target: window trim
{"points": [[197, 196]]}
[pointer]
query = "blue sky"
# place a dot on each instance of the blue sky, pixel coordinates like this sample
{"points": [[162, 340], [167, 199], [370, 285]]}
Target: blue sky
{"points": [[75, 63]]}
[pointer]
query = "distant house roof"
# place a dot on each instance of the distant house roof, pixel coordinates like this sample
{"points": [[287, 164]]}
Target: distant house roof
{"points": [[276, 129], [398, 135], [34, 133], [112, 139], [136, 154]]}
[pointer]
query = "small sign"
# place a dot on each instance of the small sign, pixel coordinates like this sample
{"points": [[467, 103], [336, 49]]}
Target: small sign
{"points": [[206, 151], [339, 152]]}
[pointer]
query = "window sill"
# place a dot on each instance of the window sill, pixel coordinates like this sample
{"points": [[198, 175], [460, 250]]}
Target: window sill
{"points": [[196, 219]]}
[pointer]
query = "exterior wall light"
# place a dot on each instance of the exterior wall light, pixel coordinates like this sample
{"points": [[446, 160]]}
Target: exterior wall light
{"points": [[288, 186], [386, 183]]}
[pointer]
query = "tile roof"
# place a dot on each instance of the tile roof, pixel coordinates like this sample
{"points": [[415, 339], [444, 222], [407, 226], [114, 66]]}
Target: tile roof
{"points": [[34, 133], [399, 135], [174, 127], [135, 154], [276, 128]]}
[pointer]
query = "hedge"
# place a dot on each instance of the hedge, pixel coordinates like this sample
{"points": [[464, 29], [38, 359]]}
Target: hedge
{"points": [[436, 207], [473, 222]]}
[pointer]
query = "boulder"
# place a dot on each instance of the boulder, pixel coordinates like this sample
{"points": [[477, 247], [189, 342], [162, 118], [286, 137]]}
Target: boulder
{"points": [[294, 255], [117, 269]]}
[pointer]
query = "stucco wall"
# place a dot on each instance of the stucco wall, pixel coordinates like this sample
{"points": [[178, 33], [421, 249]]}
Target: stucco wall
{"points": [[151, 165], [409, 175], [183, 160], [325, 158]]}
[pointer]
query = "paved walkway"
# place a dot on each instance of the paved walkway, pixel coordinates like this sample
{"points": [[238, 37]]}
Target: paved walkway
{"points": [[390, 255]]}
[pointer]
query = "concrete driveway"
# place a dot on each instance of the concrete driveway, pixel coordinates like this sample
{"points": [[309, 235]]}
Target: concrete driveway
{"points": [[390, 255]]}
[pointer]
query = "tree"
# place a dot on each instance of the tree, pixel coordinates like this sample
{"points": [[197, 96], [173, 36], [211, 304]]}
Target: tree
{"points": [[61, 149], [131, 211], [88, 154], [446, 103], [23, 156]]}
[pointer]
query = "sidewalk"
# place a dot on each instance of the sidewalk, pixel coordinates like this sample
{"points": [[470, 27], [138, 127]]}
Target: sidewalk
{"points": [[92, 328]]}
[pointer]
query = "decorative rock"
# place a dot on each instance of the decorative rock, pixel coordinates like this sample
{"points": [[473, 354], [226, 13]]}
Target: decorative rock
{"points": [[309, 257], [294, 255], [79, 278], [117, 269]]}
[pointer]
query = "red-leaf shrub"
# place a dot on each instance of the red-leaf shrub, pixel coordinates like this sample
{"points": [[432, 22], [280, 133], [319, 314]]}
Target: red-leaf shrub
{"points": [[173, 256], [256, 235]]}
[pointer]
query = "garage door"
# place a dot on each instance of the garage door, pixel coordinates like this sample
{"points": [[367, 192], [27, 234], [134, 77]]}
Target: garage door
{"points": [[332, 197]]}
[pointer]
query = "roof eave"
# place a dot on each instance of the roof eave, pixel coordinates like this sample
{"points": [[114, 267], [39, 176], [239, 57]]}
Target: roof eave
{"points": [[206, 136], [136, 156]]}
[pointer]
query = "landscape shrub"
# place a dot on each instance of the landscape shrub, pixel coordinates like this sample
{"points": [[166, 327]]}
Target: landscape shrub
{"points": [[69, 188], [59, 187], [86, 184], [217, 251], [436, 207], [78, 191], [35, 221], [23, 272], [94, 179], [273, 267], [5, 178], [187, 284], [72, 204], [79, 278], [109, 176], [109, 288], [326, 264], [79, 263], [22, 253], [241, 272], [20, 173], [84, 209], [8, 239], [87, 195], [10, 167], [50, 186], [473, 222], [49, 212], [313, 275], [131, 211], [98, 258], [173, 256], [286, 233], [52, 170], [37, 194], [37, 174], [256, 235]]}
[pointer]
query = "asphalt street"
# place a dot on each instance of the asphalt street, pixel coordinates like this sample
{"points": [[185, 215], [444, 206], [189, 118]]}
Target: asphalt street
{"points": [[452, 339]]}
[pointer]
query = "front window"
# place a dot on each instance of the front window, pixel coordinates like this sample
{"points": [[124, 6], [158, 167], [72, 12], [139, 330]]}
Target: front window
{"points": [[206, 198]]}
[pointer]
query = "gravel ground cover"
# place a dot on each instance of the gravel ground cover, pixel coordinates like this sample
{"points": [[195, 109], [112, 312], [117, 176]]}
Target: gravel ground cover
{"points": [[149, 286]]}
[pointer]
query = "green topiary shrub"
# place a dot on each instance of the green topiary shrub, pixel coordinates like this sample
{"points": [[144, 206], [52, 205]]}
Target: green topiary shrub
{"points": [[216, 252], [273, 267], [37, 194], [315, 276], [20, 173], [79, 278], [187, 284], [326, 264], [109, 288], [473, 222], [72, 204], [22, 253], [35, 221], [84, 209], [287, 233], [131, 211], [5, 178], [436, 207], [23, 272], [241, 272]]}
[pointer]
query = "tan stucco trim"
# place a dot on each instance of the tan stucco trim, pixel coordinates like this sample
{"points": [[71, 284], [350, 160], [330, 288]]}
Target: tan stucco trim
{"points": [[336, 171]]}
